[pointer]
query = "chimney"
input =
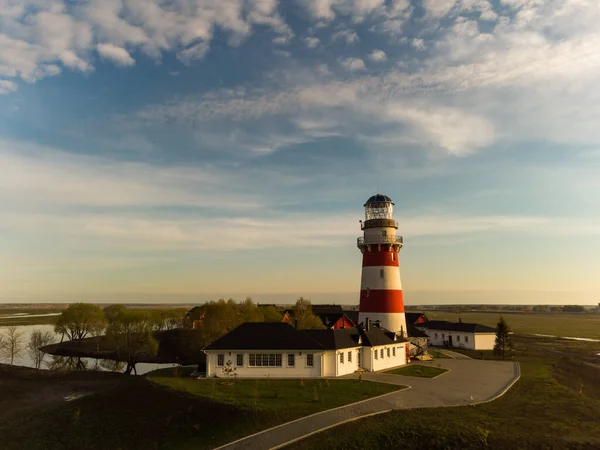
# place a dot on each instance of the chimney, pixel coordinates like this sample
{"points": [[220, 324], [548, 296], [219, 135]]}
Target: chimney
{"points": [[367, 324]]}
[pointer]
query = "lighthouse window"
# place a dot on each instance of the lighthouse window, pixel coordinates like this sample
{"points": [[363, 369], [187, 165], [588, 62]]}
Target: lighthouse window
{"points": [[380, 273]]}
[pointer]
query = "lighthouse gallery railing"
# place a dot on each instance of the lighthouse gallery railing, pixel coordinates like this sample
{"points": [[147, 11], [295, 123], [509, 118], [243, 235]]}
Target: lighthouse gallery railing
{"points": [[379, 240]]}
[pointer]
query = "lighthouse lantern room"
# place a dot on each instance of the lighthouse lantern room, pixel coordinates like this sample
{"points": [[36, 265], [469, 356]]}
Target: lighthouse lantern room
{"points": [[380, 288]]}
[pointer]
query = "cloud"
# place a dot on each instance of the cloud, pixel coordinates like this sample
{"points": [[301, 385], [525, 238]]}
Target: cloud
{"points": [[436, 9], [34, 176], [419, 44], [377, 55], [40, 36], [312, 42], [353, 64], [118, 55], [6, 87], [349, 36]]}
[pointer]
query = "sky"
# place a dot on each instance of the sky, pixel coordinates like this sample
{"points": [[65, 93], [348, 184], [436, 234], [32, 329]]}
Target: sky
{"points": [[155, 150]]}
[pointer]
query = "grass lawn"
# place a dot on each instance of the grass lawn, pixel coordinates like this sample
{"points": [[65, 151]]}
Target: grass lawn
{"points": [[558, 324], [418, 370], [167, 411], [555, 405], [436, 353]]}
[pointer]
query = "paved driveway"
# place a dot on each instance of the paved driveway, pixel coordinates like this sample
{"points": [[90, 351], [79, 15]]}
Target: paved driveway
{"points": [[468, 381]]}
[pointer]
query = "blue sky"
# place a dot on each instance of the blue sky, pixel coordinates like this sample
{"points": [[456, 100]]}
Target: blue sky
{"points": [[188, 150]]}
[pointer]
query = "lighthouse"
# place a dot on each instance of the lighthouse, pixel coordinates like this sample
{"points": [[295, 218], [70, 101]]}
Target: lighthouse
{"points": [[380, 287]]}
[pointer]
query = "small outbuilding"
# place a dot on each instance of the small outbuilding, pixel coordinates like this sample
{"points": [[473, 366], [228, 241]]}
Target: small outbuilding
{"points": [[459, 334]]}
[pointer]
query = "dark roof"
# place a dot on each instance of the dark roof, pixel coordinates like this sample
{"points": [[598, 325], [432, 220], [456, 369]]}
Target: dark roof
{"points": [[413, 331], [335, 339], [195, 313], [265, 336], [378, 336], [412, 317], [379, 198], [456, 326], [352, 315]]}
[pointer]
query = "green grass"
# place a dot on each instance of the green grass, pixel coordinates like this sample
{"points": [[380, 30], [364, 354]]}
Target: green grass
{"points": [[28, 320], [437, 354], [544, 409], [585, 325], [167, 411], [418, 370]]}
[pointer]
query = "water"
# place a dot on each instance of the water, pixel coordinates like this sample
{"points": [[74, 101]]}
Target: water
{"points": [[72, 363], [21, 315], [569, 338]]}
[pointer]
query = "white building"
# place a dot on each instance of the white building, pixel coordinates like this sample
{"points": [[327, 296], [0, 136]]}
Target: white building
{"points": [[278, 350], [462, 335]]}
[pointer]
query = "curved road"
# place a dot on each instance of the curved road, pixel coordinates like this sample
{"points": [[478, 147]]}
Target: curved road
{"points": [[469, 381]]}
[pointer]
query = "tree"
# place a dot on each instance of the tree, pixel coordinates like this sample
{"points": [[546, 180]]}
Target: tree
{"points": [[111, 312], [79, 320], [37, 340], [13, 343], [503, 341], [302, 312], [131, 332], [271, 314]]}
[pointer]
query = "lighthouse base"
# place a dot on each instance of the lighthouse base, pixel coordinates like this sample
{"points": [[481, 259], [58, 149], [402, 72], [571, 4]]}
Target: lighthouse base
{"points": [[395, 322]]}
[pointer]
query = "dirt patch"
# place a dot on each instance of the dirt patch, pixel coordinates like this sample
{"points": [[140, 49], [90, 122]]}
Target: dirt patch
{"points": [[22, 388]]}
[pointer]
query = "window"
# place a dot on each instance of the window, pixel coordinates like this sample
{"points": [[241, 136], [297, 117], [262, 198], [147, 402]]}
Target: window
{"points": [[443, 335], [457, 338], [291, 360], [221, 359], [376, 353], [309, 359], [388, 352], [380, 273], [342, 358], [381, 353], [466, 338], [394, 352], [393, 256], [349, 357], [435, 335], [239, 359], [265, 360]]}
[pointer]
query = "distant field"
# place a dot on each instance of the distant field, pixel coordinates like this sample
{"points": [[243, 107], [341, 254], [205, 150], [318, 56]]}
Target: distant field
{"points": [[558, 324]]}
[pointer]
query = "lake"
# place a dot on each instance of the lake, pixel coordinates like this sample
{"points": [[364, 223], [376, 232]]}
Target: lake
{"points": [[89, 363]]}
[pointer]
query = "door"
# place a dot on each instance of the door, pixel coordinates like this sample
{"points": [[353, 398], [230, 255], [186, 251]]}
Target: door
{"points": [[450, 340]]}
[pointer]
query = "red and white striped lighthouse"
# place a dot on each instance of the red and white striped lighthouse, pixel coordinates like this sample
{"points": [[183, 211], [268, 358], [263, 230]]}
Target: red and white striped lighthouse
{"points": [[380, 287]]}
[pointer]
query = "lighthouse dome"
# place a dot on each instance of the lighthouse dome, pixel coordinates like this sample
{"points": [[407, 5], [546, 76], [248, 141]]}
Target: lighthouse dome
{"points": [[379, 198]]}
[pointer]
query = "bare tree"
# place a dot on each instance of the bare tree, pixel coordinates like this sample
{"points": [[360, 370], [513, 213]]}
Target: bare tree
{"points": [[37, 340], [13, 343]]}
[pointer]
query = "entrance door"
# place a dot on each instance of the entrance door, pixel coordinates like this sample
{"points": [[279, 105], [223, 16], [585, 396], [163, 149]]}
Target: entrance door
{"points": [[450, 340]]}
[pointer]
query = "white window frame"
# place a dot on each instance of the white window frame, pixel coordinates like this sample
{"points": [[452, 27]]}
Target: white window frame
{"points": [[376, 354], [237, 360], [388, 352], [220, 359], [350, 356], [381, 353], [291, 356], [467, 339], [394, 352], [310, 360], [341, 357]]}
